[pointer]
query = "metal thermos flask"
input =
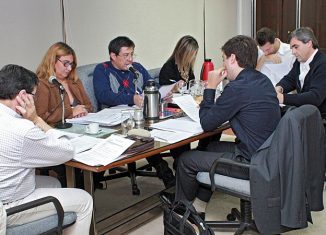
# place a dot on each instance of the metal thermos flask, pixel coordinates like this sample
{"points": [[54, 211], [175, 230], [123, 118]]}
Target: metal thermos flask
{"points": [[151, 101]]}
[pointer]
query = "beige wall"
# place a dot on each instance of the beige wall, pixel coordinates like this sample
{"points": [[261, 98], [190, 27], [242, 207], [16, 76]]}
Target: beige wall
{"points": [[30, 27]]}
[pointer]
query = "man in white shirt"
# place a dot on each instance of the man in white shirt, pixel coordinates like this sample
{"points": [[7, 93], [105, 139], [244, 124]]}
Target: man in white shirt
{"points": [[27, 142], [308, 75], [274, 57]]}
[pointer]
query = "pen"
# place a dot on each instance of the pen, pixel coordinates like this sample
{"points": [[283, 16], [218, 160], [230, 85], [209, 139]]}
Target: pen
{"points": [[171, 80]]}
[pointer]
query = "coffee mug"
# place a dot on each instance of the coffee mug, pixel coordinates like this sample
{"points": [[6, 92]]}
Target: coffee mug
{"points": [[92, 128]]}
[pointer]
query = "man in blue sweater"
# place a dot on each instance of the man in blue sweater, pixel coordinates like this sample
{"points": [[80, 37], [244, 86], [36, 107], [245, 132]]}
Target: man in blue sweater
{"points": [[248, 102], [121, 81]]}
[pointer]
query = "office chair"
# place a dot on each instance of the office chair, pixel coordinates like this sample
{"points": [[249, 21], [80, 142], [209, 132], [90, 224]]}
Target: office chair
{"points": [[235, 187], [286, 177], [53, 224], [85, 74]]}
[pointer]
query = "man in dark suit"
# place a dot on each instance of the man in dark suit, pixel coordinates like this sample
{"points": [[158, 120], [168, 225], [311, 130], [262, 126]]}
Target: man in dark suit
{"points": [[308, 74]]}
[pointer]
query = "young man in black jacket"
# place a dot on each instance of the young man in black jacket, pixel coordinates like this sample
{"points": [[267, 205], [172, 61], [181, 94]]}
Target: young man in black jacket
{"points": [[248, 102]]}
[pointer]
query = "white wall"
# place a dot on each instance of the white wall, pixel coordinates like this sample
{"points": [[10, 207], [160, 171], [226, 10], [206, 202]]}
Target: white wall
{"points": [[28, 28]]}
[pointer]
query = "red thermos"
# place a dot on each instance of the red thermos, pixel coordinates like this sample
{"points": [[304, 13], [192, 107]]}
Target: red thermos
{"points": [[207, 66]]}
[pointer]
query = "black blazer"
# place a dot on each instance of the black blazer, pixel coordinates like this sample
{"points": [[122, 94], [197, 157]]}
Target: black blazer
{"points": [[287, 172]]}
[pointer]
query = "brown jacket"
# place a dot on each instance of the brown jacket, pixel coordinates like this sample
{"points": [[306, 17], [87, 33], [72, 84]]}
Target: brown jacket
{"points": [[48, 100]]}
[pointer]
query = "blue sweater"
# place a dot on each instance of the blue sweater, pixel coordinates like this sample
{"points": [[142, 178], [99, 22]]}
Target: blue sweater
{"points": [[115, 87], [250, 104]]}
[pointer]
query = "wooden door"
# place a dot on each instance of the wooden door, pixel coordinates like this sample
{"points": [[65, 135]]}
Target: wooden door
{"points": [[313, 15], [278, 15]]}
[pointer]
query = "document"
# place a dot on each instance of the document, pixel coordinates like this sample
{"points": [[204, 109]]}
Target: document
{"points": [[169, 136], [105, 152], [105, 117], [164, 90], [84, 142], [185, 125], [189, 106]]}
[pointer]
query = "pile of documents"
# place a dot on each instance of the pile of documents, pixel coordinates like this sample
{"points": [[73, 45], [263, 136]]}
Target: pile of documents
{"points": [[175, 130], [105, 117], [105, 151]]}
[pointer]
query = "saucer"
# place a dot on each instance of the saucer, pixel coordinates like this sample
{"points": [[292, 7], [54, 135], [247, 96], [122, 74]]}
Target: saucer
{"points": [[99, 131]]}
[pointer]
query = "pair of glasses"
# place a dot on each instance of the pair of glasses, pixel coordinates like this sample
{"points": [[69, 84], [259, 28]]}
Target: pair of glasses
{"points": [[67, 63], [30, 93], [127, 55]]}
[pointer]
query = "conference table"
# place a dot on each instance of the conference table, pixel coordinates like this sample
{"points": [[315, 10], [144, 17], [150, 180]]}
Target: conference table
{"points": [[114, 224]]}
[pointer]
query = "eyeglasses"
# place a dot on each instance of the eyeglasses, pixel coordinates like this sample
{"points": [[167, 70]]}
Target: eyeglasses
{"points": [[127, 55], [67, 63], [31, 93]]}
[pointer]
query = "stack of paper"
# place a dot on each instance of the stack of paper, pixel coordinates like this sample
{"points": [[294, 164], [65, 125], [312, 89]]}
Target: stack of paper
{"points": [[174, 130], [106, 117], [105, 152]]}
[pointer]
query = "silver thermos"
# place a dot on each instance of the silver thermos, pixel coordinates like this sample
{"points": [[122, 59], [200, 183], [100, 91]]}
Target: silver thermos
{"points": [[151, 101]]}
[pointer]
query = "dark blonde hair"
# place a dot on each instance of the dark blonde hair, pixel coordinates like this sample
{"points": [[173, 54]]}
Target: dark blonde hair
{"points": [[46, 68], [184, 54]]}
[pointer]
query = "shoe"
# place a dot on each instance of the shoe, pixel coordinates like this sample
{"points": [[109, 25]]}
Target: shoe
{"points": [[165, 173]]}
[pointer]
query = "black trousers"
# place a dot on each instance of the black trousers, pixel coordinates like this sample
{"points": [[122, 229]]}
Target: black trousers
{"points": [[192, 162]]}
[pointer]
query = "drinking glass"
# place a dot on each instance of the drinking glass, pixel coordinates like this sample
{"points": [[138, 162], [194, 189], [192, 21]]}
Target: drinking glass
{"points": [[196, 88], [127, 122]]}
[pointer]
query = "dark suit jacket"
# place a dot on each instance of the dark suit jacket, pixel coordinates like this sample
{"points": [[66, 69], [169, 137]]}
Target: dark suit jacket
{"points": [[287, 172], [314, 87]]}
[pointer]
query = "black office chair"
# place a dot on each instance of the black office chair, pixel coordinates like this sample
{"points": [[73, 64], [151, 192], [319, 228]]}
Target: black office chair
{"points": [[298, 139], [235, 187]]}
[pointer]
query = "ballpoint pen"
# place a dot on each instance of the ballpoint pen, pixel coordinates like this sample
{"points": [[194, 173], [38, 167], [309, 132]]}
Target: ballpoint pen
{"points": [[171, 80]]}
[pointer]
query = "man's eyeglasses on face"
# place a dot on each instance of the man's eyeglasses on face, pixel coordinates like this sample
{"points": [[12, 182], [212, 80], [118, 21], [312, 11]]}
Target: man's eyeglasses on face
{"points": [[127, 55], [67, 63]]}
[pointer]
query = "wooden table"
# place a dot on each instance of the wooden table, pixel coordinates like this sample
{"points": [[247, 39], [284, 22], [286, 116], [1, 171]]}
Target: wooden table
{"points": [[159, 147]]}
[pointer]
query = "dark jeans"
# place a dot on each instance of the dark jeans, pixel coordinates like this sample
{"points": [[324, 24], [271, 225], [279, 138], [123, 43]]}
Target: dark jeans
{"points": [[192, 162]]}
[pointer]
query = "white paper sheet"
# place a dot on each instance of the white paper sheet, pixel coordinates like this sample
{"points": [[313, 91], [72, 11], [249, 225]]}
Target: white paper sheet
{"points": [[189, 106], [84, 142], [169, 136], [164, 90], [105, 152], [179, 125], [106, 117]]}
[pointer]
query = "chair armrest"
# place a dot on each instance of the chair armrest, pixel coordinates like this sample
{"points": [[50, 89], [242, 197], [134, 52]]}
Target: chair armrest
{"points": [[39, 202], [226, 161]]}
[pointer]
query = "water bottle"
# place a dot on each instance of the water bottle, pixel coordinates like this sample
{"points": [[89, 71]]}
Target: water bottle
{"points": [[207, 66]]}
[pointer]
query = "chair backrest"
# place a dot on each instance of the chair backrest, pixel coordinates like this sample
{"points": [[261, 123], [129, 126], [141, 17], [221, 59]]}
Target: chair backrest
{"points": [[85, 74], [155, 74]]}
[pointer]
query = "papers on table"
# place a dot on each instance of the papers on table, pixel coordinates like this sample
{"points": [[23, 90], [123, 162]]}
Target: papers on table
{"points": [[169, 136], [184, 124], [84, 142], [105, 152], [189, 106], [164, 90], [105, 117]]}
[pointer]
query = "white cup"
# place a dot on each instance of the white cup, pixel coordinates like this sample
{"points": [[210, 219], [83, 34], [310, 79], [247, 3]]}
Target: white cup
{"points": [[92, 128]]}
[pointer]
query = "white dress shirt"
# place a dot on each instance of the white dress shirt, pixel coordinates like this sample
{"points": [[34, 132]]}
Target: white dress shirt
{"points": [[305, 67], [275, 72], [23, 147]]}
